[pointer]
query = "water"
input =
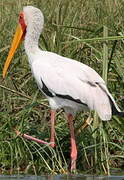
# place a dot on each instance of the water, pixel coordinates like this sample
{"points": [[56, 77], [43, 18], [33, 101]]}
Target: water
{"points": [[61, 177]]}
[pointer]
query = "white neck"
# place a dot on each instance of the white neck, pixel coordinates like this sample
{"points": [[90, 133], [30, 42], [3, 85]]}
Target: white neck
{"points": [[31, 40], [34, 21]]}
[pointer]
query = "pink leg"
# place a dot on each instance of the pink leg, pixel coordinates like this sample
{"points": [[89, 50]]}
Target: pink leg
{"points": [[52, 138], [26, 136], [73, 143], [52, 119]]}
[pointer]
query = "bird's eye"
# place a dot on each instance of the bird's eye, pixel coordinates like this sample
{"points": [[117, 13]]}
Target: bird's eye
{"points": [[21, 17]]}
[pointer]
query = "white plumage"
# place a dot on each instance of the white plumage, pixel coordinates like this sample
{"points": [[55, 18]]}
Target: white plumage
{"points": [[67, 83], [65, 76]]}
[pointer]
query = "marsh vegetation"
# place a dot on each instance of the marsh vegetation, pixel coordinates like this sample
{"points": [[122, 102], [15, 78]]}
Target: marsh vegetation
{"points": [[91, 32]]}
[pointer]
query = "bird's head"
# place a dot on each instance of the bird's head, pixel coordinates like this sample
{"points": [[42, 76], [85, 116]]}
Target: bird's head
{"points": [[30, 18]]}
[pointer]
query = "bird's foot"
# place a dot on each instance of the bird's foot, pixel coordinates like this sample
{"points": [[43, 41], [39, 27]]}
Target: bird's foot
{"points": [[18, 133], [73, 166], [52, 144]]}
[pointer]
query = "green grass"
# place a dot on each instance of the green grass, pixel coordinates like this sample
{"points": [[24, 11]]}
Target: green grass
{"points": [[73, 29]]}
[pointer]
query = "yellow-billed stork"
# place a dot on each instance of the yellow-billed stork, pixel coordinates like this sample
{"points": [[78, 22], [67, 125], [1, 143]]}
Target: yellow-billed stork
{"points": [[66, 83]]}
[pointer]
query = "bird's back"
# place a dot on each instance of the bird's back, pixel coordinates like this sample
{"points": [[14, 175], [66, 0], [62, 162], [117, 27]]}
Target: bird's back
{"points": [[67, 79]]}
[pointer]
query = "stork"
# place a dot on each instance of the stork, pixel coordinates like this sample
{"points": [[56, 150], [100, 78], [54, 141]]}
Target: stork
{"points": [[65, 82]]}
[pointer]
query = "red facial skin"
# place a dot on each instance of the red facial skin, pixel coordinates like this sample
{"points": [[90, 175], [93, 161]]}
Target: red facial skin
{"points": [[22, 23]]}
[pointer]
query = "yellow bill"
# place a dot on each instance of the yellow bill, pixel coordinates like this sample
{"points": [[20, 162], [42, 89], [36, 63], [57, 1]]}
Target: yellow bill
{"points": [[18, 37]]}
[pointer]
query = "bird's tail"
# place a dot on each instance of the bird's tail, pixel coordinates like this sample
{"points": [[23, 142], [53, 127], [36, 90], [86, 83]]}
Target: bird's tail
{"points": [[115, 110], [121, 114], [111, 107]]}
